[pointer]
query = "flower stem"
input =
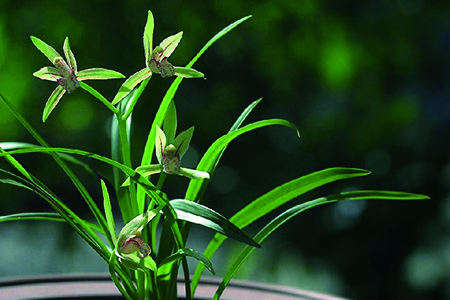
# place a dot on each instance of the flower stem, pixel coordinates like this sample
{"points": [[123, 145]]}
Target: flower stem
{"points": [[97, 95]]}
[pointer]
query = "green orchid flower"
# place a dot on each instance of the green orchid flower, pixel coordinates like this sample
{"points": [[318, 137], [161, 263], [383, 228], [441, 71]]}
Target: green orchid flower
{"points": [[156, 61], [169, 154], [66, 74]]}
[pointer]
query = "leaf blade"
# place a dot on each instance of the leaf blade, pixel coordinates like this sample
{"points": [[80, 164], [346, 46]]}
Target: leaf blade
{"points": [[198, 214], [277, 197], [292, 212], [109, 215], [215, 150]]}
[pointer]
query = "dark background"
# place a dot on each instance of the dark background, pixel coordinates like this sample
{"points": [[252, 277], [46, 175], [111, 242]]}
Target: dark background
{"points": [[366, 82]]}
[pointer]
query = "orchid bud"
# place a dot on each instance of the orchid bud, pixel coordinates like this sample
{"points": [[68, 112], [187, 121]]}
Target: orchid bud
{"points": [[133, 244]]}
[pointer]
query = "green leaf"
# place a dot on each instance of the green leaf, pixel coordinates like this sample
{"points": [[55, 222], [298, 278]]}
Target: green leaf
{"points": [[244, 115], [186, 252], [277, 197], [109, 214], [148, 38], [160, 144], [291, 190], [71, 218], [200, 186], [98, 96], [80, 187], [98, 73], [47, 50], [188, 73], [198, 214], [130, 83], [292, 212], [170, 43], [48, 73], [42, 216], [52, 102], [208, 160], [170, 122], [127, 290], [32, 216], [215, 38], [193, 174], [69, 55], [67, 157], [139, 264], [127, 170], [183, 140], [16, 183]]}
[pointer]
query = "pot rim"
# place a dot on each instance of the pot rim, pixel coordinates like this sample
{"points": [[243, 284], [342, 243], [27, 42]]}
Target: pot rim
{"points": [[97, 284]]}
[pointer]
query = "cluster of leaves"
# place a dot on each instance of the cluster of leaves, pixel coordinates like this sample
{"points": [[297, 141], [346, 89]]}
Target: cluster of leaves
{"points": [[139, 270]]}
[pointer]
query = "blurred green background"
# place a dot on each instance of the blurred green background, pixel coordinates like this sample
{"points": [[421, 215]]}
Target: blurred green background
{"points": [[366, 82]]}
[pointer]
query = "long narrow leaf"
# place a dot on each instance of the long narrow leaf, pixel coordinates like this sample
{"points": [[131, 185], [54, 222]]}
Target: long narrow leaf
{"points": [[109, 215], [20, 145], [32, 216], [42, 216], [274, 199], [207, 162], [198, 214], [87, 197], [70, 217], [292, 212], [215, 38], [200, 186], [186, 252]]}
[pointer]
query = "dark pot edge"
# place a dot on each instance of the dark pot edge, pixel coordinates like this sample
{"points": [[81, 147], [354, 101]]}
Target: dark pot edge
{"points": [[235, 290]]}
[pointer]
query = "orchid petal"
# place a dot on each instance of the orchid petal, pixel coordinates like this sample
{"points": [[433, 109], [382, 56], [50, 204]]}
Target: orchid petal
{"points": [[160, 144], [69, 55], [130, 83], [183, 140], [48, 73], [98, 73], [169, 44], [46, 49], [148, 38], [148, 170], [193, 174], [53, 101], [188, 73]]}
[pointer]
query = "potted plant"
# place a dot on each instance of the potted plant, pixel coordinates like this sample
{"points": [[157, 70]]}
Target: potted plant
{"points": [[138, 268]]}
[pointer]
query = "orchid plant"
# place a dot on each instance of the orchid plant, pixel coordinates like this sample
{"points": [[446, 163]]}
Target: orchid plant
{"points": [[139, 268]]}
